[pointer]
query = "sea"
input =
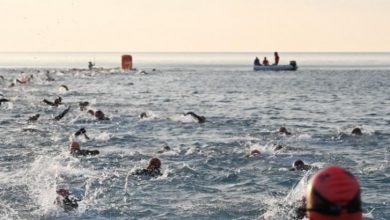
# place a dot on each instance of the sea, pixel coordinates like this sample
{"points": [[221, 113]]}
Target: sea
{"points": [[208, 171]]}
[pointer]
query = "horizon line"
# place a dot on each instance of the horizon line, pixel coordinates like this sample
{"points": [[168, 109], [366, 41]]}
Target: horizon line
{"points": [[194, 51]]}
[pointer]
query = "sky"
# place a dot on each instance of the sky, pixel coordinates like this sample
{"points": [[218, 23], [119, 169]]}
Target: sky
{"points": [[194, 25]]}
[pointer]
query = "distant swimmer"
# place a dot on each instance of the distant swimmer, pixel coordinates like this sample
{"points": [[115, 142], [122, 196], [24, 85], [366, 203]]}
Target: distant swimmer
{"points": [[60, 116], [283, 130], [48, 76], [33, 118], [299, 165], [357, 131], [81, 131], [100, 115], [76, 151], [57, 102], [64, 200], [152, 170], [3, 100], [24, 79], [83, 105], [65, 87], [333, 193], [165, 148], [255, 152], [1, 77], [257, 62], [201, 119]]}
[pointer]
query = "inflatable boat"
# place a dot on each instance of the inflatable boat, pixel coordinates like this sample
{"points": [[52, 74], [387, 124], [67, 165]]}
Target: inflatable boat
{"points": [[292, 66]]}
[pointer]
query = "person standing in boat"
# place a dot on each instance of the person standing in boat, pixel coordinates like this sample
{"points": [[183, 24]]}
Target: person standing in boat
{"points": [[257, 62], [90, 65], [265, 62], [276, 59]]}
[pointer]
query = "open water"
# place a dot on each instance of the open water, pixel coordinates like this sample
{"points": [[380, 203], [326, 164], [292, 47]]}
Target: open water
{"points": [[208, 173]]}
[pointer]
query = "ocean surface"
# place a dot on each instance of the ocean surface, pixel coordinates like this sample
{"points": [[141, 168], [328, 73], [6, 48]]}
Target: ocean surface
{"points": [[209, 172]]}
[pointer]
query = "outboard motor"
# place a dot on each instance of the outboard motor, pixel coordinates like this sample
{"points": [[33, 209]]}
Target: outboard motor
{"points": [[294, 64]]}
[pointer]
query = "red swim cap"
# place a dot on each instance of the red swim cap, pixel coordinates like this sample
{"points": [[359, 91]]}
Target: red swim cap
{"points": [[74, 145], [333, 194], [154, 162], [255, 152]]}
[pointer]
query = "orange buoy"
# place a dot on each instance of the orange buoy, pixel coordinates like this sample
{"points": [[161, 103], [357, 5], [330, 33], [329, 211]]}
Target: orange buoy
{"points": [[127, 62]]}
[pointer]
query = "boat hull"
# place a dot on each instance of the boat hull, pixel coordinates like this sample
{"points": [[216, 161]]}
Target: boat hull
{"points": [[290, 67]]}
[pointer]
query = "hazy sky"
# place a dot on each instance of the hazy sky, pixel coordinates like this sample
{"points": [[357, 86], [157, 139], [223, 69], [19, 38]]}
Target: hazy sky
{"points": [[195, 25]]}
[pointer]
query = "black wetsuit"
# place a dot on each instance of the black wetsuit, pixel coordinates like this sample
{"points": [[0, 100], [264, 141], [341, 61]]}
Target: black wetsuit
{"points": [[200, 119], [68, 204], [76, 152], [146, 172], [33, 118], [3, 100], [58, 117]]}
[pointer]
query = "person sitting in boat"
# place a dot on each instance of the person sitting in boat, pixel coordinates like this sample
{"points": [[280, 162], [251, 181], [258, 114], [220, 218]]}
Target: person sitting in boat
{"points": [[152, 170], [276, 59], [265, 62], [76, 151], [257, 62], [64, 200], [90, 65]]}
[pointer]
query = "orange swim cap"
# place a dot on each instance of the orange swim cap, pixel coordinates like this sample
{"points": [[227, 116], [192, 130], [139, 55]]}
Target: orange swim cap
{"points": [[74, 145], [333, 194]]}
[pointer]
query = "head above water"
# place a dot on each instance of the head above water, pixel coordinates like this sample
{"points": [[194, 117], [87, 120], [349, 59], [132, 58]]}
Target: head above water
{"points": [[63, 192], [333, 194], [154, 163], [74, 145], [99, 114], [357, 131], [298, 164], [255, 152]]}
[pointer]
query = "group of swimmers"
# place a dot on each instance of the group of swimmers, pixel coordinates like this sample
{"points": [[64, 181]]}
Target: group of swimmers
{"points": [[266, 62], [333, 193]]}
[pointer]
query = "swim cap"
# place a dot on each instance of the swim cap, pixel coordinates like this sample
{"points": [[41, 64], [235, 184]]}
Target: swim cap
{"points": [[154, 163], [298, 163], [63, 192], [74, 145], [255, 152], [333, 194], [357, 131]]}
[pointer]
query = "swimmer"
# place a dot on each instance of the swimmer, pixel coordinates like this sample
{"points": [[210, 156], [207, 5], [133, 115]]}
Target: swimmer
{"points": [[1, 77], [57, 101], [201, 119], [33, 118], [299, 165], [144, 115], [3, 100], [333, 193], [255, 152], [63, 200], [65, 87], [283, 130], [357, 131], [152, 170], [60, 116], [100, 115], [76, 151], [81, 131], [165, 148], [83, 105]]}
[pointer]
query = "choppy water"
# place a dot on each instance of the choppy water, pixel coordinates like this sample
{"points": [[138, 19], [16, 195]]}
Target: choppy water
{"points": [[207, 174]]}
